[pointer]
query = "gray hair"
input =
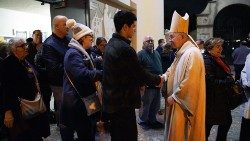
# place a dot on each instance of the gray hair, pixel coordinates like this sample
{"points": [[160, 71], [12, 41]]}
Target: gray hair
{"points": [[15, 42], [210, 43]]}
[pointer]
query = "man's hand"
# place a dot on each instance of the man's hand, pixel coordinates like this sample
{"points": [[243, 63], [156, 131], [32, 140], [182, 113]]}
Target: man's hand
{"points": [[8, 119], [170, 100], [162, 80]]}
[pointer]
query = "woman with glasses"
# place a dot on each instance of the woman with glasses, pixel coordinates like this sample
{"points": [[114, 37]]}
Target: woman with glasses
{"points": [[19, 81], [218, 82], [78, 82]]}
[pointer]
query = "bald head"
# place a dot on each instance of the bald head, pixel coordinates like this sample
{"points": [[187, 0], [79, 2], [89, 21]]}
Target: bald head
{"points": [[59, 26]]}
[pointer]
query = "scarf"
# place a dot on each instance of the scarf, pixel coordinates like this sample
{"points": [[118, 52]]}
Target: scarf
{"points": [[224, 66]]}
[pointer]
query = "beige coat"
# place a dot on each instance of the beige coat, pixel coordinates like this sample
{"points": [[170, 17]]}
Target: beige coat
{"points": [[186, 84]]}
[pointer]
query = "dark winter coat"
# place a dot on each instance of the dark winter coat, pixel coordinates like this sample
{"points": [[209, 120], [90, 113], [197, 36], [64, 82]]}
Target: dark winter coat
{"points": [[83, 76], [54, 49], [123, 75], [218, 84], [17, 82]]}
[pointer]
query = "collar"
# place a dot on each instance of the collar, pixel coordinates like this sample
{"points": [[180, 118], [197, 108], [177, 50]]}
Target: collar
{"points": [[184, 47], [116, 35]]}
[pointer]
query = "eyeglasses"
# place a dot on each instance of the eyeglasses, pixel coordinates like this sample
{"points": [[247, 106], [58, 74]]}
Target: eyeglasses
{"points": [[24, 45], [173, 36], [90, 35], [150, 41]]}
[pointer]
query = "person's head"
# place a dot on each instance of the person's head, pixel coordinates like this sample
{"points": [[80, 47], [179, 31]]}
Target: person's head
{"points": [[214, 46], [59, 26], [37, 37], [161, 42], [177, 39], [81, 33], [125, 23], [178, 33], [243, 42], [166, 48], [18, 47], [101, 43], [200, 43], [148, 43]]}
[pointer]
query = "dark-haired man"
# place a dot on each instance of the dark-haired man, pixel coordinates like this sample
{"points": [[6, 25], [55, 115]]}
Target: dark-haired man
{"points": [[123, 75]]}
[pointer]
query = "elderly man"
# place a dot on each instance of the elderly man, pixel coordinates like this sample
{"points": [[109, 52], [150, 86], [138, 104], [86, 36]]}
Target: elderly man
{"points": [[151, 61], [54, 49], [185, 86]]}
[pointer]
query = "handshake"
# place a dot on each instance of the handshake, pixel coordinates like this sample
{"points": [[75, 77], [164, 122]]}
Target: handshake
{"points": [[163, 79]]}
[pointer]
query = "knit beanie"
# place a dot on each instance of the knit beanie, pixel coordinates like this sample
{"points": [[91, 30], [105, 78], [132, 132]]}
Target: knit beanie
{"points": [[79, 30]]}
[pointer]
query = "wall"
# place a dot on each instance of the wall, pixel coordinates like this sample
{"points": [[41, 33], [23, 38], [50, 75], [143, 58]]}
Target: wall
{"points": [[150, 20], [16, 17], [205, 20]]}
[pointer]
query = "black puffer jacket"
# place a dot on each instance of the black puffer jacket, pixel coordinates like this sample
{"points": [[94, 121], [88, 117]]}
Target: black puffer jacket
{"points": [[218, 83], [123, 75]]}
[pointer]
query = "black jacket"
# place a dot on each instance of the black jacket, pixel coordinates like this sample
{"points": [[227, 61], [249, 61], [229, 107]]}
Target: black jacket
{"points": [[218, 84], [123, 75], [54, 50]]}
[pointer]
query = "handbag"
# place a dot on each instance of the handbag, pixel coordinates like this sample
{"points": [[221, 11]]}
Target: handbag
{"points": [[237, 95], [92, 102], [32, 108]]}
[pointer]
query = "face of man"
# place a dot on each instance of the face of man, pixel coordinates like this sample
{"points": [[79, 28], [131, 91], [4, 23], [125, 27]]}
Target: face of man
{"points": [[130, 31], [176, 40], [61, 27], [148, 43], [37, 38], [102, 46]]}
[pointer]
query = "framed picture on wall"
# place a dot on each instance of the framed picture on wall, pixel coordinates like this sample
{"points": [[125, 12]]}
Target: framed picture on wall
{"points": [[21, 34]]}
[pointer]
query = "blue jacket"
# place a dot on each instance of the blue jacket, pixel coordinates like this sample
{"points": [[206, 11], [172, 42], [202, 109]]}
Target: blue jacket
{"points": [[83, 75], [54, 49]]}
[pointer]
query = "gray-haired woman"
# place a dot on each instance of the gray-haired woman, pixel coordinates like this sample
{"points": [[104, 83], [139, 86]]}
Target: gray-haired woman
{"points": [[19, 81]]}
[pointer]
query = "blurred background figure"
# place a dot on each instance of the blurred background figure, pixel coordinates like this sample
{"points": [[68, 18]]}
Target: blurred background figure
{"points": [[200, 44], [3, 54], [245, 122], [167, 57], [239, 57], [34, 44], [35, 56], [161, 43], [97, 52], [218, 83], [19, 80]]}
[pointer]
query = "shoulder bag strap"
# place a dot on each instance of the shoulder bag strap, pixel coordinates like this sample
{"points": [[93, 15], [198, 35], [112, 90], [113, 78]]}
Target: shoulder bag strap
{"points": [[72, 84]]}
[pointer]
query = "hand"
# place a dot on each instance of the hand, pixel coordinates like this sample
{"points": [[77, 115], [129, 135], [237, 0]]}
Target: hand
{"points": [[170, 100], [8, 119], [162, 80]]}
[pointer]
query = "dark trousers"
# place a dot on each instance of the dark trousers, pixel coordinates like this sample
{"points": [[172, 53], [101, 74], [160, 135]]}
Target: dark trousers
{"points": [[245, 130], [238, 69], [123, 125], [222, 130]]}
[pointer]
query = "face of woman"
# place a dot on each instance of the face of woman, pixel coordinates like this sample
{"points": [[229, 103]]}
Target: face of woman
{"points": [[87, 41], [216, 50], [20, 51]]}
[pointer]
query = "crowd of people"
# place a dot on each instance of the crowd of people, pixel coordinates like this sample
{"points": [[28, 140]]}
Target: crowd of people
{"points": [[198, 82]]}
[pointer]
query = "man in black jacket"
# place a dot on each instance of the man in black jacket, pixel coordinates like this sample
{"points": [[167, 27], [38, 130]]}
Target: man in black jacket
{"points": [[54, 49], [122, 78]]}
